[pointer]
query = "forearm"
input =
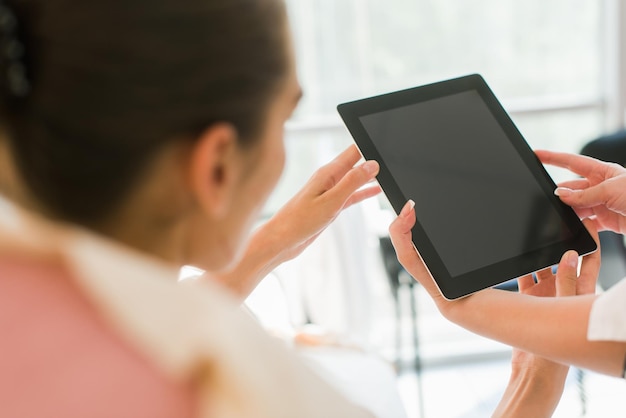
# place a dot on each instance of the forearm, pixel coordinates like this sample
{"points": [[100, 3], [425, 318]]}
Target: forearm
{"points": [[558, 333], [532, 393]]}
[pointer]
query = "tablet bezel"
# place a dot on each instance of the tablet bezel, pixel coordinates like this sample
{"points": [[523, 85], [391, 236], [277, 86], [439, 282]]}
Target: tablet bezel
{"points": [[453, 287]]}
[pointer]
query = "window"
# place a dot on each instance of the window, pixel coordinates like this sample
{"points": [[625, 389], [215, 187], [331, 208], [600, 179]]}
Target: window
{"points": [[544, 59]]}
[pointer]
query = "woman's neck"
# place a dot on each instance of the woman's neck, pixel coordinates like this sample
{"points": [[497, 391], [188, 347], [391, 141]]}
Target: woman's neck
{"points": [[150, 221], [153, 217]]}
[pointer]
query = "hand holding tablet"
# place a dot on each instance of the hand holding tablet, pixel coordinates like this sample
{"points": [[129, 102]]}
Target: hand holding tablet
{"points": [[485, 206]]}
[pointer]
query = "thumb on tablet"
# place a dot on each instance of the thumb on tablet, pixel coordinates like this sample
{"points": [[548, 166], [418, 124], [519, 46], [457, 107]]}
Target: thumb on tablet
{"points": [[567, 274]]}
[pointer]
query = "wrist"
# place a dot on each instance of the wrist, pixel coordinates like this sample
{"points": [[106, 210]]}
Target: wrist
{"points": [[540, 379], [543, 376], [533, 391], [266, 248], [269, 242]]}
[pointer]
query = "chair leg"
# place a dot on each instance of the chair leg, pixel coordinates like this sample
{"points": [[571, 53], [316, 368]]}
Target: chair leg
{"points": [[580, 382], [398, 332], [416, 351]]}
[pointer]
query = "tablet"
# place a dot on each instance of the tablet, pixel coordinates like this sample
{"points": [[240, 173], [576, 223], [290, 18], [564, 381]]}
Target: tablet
{"points": [[485, 205]]}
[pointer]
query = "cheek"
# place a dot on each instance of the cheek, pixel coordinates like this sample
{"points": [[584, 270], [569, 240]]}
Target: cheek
{"points": [[265, 178], [279, 161], [258, 191], [274, 163]]}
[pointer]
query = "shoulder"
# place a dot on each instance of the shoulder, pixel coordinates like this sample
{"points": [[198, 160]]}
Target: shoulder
{"points": [[58, 339], [189, 333], [200, 332]]}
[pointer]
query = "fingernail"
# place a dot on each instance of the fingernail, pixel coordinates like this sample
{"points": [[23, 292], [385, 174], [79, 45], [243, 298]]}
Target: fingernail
{"points": [[572, 259], [563, 192], [408, 207], [370, 167]]}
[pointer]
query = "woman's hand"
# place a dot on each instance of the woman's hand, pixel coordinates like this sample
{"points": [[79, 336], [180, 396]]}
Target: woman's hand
{"points": [[536, 384], [400, 233], [401, 238], [334, 187], [600, 194], [331, 189]]}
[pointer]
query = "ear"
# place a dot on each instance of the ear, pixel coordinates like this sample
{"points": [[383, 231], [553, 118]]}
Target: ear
{"points": [[215, 167]]}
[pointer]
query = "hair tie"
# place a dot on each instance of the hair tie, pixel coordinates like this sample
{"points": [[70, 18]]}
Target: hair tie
{"points": [[12, 55]]}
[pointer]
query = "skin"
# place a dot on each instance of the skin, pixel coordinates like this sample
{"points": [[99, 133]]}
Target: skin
{"points": [[561, 336]]}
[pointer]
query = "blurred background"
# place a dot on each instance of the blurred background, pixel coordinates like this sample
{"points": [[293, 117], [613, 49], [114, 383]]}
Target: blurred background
{"points": [[559, 68]]}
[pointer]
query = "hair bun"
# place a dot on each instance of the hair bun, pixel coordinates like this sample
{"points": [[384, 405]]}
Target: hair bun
{"points": [[12, 55]]}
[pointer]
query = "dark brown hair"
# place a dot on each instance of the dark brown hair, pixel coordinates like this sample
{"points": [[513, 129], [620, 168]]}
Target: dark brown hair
{"points": [[112, 81]]}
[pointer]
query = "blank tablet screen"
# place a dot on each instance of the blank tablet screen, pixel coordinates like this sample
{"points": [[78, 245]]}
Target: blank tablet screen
{"points": [[484, 204], [453, 159]]}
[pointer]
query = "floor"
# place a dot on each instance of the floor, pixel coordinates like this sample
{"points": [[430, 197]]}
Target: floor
{"points": [[464, 375], [473, 391]]}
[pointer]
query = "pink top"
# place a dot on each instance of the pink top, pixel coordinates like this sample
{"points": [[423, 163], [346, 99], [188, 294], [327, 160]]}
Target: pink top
{"points": [[59, 358]]}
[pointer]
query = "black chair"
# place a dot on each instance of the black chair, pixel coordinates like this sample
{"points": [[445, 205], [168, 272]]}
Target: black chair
{"points": [[611, 148]]}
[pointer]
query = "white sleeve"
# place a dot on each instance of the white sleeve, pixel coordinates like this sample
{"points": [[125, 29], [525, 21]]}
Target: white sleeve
{"points": [[607, 321]]}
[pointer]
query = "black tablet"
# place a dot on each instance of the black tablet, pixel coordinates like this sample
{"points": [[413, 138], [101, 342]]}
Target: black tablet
{"points": [[486, 209]]}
